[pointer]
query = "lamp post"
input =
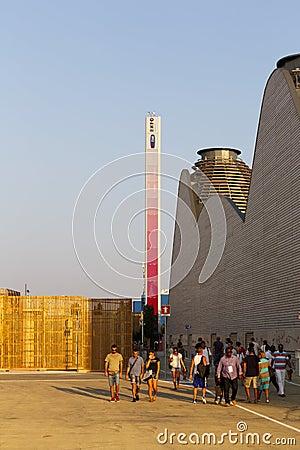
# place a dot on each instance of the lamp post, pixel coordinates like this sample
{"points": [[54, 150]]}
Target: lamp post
{"points": [[143, 301], [165, 312], [77, 338], [143, 298]]}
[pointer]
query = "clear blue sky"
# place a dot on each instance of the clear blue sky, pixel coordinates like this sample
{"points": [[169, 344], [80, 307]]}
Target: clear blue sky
{"points": [[77, 78]]}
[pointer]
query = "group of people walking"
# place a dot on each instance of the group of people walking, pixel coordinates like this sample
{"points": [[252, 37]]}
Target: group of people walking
{"points": [[257, 367], [136, 372]]}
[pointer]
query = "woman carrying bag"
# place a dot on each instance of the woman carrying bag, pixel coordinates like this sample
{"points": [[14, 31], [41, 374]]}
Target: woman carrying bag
{"points": [[153, 365]]}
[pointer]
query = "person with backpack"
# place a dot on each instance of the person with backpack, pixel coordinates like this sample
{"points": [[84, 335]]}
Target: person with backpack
{"points": [[208, 357], [197, 374]]}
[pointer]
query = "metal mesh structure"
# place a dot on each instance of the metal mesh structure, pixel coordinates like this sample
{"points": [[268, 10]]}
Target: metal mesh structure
{"points": [[69, 333]]}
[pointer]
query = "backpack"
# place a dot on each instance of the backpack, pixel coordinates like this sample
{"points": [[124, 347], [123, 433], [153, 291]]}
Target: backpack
{"points": [[201, 369]]}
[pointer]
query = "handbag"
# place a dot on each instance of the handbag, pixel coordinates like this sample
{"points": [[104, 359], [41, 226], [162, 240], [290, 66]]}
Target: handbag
{"points": [[132, 367], [147, 375]]}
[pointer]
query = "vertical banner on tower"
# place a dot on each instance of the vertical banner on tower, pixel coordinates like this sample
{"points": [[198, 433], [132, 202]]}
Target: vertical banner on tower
{"points": [[153, 211]]}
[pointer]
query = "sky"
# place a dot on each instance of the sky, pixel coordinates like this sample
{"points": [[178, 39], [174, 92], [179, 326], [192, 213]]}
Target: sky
{"points": [[77, 79]]}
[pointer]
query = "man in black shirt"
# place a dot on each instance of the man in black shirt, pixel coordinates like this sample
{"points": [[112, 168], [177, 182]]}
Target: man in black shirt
{"points": [[251, 371], [218, 350]]}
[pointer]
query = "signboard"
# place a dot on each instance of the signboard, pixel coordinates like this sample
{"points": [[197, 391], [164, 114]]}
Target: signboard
{"points": [[165, 310]]}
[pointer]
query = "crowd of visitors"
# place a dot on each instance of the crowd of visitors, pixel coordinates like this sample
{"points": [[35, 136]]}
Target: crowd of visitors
{"points": [[257, 367]]}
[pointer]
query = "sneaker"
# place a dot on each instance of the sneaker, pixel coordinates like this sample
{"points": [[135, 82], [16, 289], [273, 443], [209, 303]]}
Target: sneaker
{"points": [[112, 400], [133, 400], [194, 401], [233, 402], [117, 398], [137, 397], [204, 400], [217, 401], [227, 404], [267, 401]]}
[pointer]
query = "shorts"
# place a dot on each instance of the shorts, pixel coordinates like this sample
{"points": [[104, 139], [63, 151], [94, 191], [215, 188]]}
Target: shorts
{"points": [[249, 380], [198, 382], [153, 376], [175, 369], [114, 379], [135, 379]]}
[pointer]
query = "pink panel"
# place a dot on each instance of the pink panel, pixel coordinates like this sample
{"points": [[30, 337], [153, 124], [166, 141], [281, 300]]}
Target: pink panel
{"points": [[152, 225]]}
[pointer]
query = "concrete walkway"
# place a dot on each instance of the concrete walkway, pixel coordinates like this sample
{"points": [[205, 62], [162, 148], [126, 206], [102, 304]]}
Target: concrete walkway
{"points": [[58, 410]]}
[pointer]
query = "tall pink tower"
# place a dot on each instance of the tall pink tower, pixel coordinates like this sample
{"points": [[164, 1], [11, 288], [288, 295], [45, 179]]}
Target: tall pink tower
{"points": [[152, 268]]}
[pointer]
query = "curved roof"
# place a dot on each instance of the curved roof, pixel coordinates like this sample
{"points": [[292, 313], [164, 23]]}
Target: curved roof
{"points": [[209, 149], [289, 62]]}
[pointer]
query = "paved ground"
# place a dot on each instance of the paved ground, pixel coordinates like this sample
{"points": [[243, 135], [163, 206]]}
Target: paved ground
{"points": [[50, 410]]}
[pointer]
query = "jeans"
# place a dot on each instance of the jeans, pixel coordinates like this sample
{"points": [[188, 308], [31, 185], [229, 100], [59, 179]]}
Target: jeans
{"points": [[217, 358], [273, 379], [227, 383]]}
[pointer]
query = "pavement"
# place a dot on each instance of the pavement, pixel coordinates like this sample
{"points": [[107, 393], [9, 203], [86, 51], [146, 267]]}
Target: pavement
{"points": [[70, 410]]}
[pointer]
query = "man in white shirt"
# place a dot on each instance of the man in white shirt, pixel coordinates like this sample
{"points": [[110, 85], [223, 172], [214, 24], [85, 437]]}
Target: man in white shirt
{"points": [[256, 346], [270, 357]]}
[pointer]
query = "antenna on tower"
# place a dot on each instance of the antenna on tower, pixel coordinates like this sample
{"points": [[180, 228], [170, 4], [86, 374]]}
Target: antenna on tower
{"points": [[151, 114]]}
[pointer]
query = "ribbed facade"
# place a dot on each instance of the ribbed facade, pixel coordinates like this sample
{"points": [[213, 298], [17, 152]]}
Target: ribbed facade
{"points": [[227, 175], [255, 289]]}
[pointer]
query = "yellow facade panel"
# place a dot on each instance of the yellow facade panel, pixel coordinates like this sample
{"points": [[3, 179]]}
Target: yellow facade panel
{"points": [[67, 333]]}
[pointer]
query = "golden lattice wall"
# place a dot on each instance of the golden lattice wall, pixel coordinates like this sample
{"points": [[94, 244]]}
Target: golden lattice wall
{"points": [[66, 333]]}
